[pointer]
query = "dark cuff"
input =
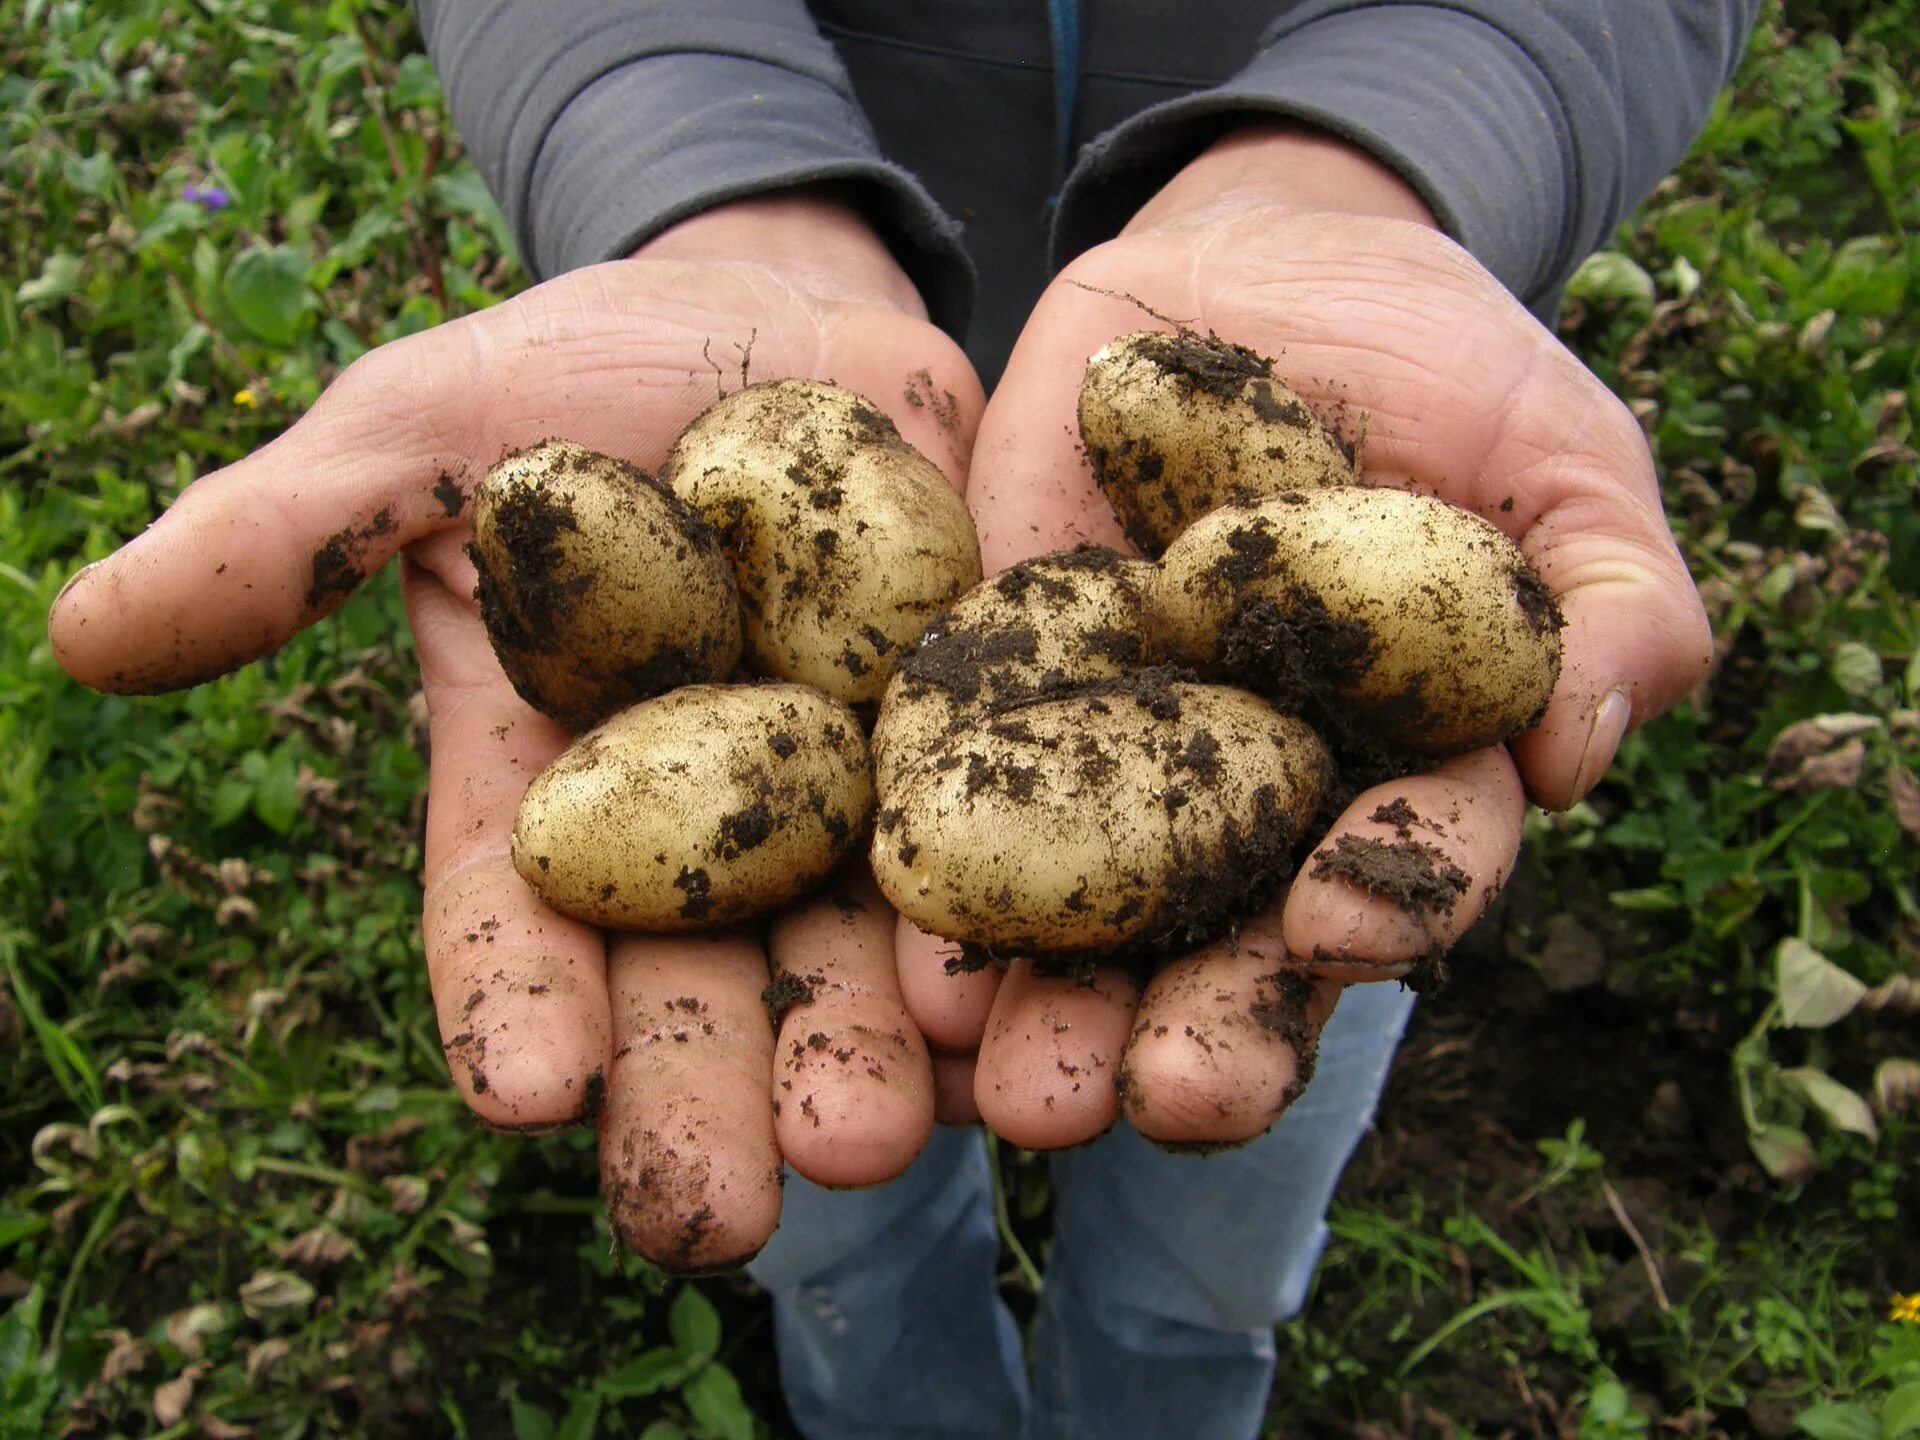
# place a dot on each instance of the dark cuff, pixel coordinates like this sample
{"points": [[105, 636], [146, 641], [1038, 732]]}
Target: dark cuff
{"points": [[1447, 101], [661, 139]]}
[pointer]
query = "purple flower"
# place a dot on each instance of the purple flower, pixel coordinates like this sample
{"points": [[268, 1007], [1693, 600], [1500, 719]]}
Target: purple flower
{"points": [[212, 197]]}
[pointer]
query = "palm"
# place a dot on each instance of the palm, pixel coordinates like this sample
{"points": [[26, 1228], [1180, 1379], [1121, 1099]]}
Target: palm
{"points": [[544, 1020]]}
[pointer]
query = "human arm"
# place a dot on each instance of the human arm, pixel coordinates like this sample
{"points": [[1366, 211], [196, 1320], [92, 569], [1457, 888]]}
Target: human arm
{"points": [[546, 1021], [1297, 242]]}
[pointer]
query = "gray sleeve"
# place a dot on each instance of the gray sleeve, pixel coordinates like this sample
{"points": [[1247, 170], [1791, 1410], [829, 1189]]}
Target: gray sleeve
{"points": [[598, 123], [1530, 127]]}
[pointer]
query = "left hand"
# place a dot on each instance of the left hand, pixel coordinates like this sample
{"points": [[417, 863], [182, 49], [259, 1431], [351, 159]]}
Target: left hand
{"points": [[1305, 249]]}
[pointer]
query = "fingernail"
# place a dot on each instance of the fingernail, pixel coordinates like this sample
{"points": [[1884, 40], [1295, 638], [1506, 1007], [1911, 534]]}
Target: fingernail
{"points": [[73, 580], [1610, 723]]}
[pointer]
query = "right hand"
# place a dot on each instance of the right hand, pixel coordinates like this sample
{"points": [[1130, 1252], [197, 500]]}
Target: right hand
{"points": [[544, 1018]]}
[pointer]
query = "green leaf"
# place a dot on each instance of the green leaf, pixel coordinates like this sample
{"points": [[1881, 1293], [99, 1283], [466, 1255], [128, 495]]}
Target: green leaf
{"points": [[20, 1333], [1839, 1420], [1609, 275], [664, 1430], [276, 800], [416, 83], [176, 217], [462, 191], [17, 1225], [713, 1397], [582, 1420], [1900, 1412], [230, 798], [267, 288], [694, 1325], [1856, 668], [647, 1374], [1814, 992], [58, 278], [530, 1422], [195, 338], [1654, 897], [1842, 1107]]}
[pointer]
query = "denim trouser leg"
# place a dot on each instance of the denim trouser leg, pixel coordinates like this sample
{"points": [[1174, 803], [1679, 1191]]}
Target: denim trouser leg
{"points": [[885, 1314], [1167, 1276], [1169, 1272]]}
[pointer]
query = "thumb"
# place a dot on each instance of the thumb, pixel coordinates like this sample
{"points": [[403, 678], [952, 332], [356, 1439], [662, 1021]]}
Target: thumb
{"points": [[250, 554]]}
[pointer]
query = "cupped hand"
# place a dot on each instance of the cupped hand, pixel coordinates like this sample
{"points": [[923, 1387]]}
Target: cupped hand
{"points": [[1307, 250], [546, 1021]]}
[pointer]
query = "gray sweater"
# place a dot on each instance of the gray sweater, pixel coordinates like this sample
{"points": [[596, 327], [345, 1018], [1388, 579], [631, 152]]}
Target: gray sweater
{"points": [[991, 142]]}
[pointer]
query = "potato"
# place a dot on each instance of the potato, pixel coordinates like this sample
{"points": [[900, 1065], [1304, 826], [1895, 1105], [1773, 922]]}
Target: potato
{"points": [[598, 586], [1176, 424], [1419, 620], [1038, 628], [844, 539], [1142, 816], [704, 806]]}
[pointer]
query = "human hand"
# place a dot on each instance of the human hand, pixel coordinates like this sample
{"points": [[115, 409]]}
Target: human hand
{"points": [[547, 1022], [1302, 248]]}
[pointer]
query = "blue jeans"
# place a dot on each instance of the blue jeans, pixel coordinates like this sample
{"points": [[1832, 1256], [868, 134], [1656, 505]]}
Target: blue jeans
{"points": [[1167, 1277]]}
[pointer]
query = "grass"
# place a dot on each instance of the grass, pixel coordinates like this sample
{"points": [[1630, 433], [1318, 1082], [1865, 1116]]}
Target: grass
{"points": [[241, 1197]]}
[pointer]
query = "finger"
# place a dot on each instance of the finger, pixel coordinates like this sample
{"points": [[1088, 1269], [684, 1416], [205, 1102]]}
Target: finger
{"points": [[689, 1161], [520, 989], [616, 358], [853, 1095], [1047, 1064], [1224, 1042], [947, 997], [953, 1072], [1407, 869]]}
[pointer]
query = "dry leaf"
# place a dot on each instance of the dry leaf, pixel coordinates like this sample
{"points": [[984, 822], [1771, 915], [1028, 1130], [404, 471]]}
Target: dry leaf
{"points": [[1804, 739], [263, 1357], [1836, 769], [1905, 791], [129, 1356], [1896, 1085], [185, 1327], [316, 1249], [170, 1400]]}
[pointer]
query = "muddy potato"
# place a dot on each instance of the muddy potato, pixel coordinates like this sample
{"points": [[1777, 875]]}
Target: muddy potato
{"points": [[1138, 817], [598, 586], [1176, 424], [845, 540], [701, 807], [1418, 619], [1037, 628]]}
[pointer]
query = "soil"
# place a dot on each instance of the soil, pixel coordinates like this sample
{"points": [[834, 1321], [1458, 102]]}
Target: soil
{"points": [[1497, 1065], [338, 565]]}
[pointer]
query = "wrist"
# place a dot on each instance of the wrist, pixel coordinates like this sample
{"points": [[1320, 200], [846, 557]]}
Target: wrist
{"points": [[810, 236], [1288, 165]]}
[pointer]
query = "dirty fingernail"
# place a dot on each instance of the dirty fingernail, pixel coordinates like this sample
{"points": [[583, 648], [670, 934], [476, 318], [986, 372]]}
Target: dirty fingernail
{"points": [[1610, 723]]}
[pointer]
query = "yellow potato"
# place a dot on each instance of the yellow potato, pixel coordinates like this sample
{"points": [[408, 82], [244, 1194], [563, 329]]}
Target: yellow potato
{"points": [[704, 806], [1416, 619], [1176, 424], [845, 540], [1143, 816], [598, 586], [1039, 628]]}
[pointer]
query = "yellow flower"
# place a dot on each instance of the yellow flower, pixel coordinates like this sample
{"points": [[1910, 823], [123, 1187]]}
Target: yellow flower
{"points": [[246, 397], [1905, 1307]]}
